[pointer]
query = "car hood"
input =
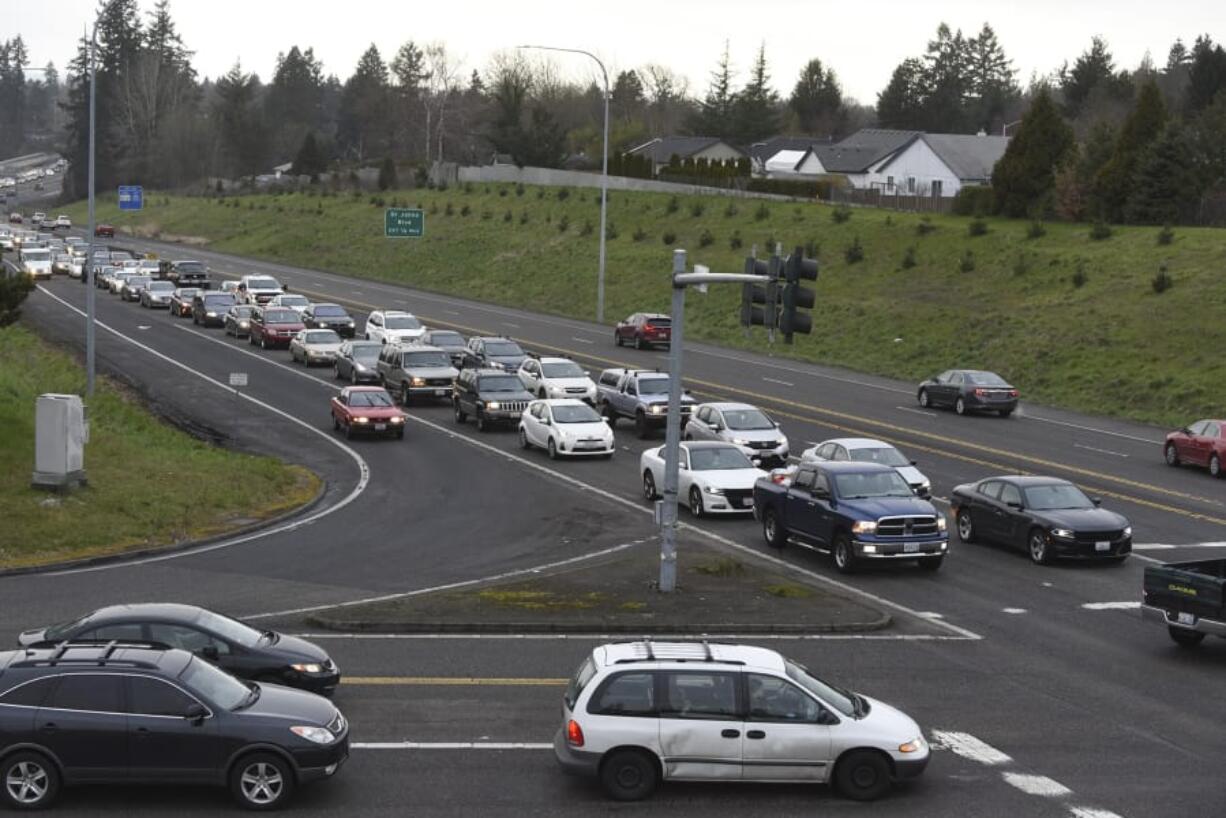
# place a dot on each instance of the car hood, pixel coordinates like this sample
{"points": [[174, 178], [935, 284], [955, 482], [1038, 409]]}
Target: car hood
{"points": [[571, 383], [433, 371], [875, 507], [887, 724], [598, 429], [753, 435], [291, 648], [1082, 519], [511, 362], [279, 702], [404, 334], [729, 478], [333, 348], [505, 397], [285, 327], [651, 399]]}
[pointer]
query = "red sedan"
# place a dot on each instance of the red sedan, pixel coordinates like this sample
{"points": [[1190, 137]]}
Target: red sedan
{"points": [[274, 326], [1202, 443], [105, 231], [644, 330], [367, 409]]}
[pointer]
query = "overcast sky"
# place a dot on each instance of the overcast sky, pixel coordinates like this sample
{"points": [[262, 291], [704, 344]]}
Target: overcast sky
{"points": [[862, 40]]}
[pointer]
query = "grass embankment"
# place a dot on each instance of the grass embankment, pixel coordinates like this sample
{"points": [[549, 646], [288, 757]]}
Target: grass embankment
{"points": [[149, 483], [1071, 320]]}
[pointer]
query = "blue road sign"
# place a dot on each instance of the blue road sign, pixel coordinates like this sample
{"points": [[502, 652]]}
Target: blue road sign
{"points": [[131, 197]]}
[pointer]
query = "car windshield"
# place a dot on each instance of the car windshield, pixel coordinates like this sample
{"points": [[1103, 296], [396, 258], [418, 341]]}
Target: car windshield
{"points": [[379, 399], [841, 700], [426, 359], [401, 322], [985, 379], [449, 339], [885, 455], [161, 287], [718, 458], [563, 369], [575, 414], [214, 684], [501, 383], [503, 348], [139, 281], [659, 322], [63, 257], [366, 352], [230, 629], [871, 484], [186, 292], [189, 267], [219, 300], [36, 254], [62, 630], [293, 301], [263, 284], [323, 336], [747, 420], [280, 317], [1056, 495], [653, 386], [330, 311], [242, 310]]}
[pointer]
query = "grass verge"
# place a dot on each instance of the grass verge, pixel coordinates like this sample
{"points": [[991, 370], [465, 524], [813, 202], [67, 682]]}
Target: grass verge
{"points": [[1072, 321], [149, 483]]}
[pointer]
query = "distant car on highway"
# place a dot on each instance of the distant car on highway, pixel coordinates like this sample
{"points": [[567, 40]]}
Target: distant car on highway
{"points": [[61, 263], [115, 280], [565, 427], [133, 286], [357, 362], [412, 371], [868, 450], [393, 326], [329, 316], [644, 330], [35, 261], [969, 390], [494, 352], [491, 396], [714, 478], [367, 410], [640, 395], [104, 231], [557, 378], [238, 320], [157, 294], [209, 308], [188, 273], [453, 342], [181, 301], [294, 301], [1202, 443], [313, 346], [258, 289], [1048, 517], [61, 222], [743, 425], [274, 327], [38, 218], [16, 218]]}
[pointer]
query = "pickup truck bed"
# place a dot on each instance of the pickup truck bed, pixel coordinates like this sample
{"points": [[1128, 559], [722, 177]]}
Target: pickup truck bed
{"points": [[1188, 597]]}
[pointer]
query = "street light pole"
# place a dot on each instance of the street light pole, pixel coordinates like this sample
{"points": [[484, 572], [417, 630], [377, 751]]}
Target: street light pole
{"points": [[88, 271], [604, 173]]}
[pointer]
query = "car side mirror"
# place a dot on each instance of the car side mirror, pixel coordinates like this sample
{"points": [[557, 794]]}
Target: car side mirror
{"points": [[826, 718], [1185, 431], [545, 422], [1015, 505], [195, 712], [913, 463], [284, 288], [1097, 501], [210, 652]]}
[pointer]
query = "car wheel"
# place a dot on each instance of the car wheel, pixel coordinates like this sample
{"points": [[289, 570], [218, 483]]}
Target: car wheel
{"points": [[649, 487], [931, 563], [640, 425], [336, 424], [1037, 545], [696, 501], [1215, 465], [552, 448], [1171, 454], [261, 781], [772, 532], [611, 415], [405, 395], [541, 393], [966, 526], [617, 338], [523, 439], [629, 775], [460, 416], [263, 342], [1184, 637], [482, 423], [30, 781], [336, 372], [844, 555], [353, 376], [863, 775], [960, 406], [638, 342]]}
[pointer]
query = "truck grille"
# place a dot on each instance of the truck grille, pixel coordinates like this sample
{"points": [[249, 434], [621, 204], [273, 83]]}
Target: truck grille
{"points": [[907, 526], [737, 497], [762, 444], [512, 405], [576, 390], [438, 381]]}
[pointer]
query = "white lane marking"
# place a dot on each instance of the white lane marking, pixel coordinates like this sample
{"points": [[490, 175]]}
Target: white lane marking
{"points": [[1100, 451], [931, 615], [583, 340], [1156, 546], [969, 747], [1037, 785], [356, 292], [937, 499], [605, 637], [776, 380], [143, 326], [608, 495], [1092, 812], [1096, 431], [509, 324], [1013, 610], [1111, 606], [915, 411], [451, 745], [451, 312], [363, 467]]}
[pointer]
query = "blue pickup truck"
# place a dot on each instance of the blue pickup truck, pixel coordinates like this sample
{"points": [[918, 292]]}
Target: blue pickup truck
{"points": [[857, 511]]}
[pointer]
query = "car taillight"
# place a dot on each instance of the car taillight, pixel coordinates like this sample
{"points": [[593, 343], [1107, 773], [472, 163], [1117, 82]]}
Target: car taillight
{"points": [[1013, 393], [574, 734]]}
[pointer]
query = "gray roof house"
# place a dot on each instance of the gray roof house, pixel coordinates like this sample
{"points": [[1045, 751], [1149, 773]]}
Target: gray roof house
{"points": [[661, 149]]}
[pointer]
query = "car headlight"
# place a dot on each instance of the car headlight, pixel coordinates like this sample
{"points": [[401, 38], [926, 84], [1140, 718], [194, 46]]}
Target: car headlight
{"points": [[940, 522], [915, 745], [359, 367], [493, 405], [319, 735], [712, 490], [658, 409], [1062, 533], [398, 419], [864, 527], [361, 420], [210, 315], [1127, 531], [740, 441], [352, 324], [244, 324], [418, 381], [310, 667]]}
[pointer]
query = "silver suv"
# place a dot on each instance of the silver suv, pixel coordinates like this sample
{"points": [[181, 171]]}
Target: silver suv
{"points": [[639, 712], [411, 371]]}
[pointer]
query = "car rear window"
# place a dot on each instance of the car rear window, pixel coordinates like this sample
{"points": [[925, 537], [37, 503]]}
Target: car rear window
{"points": [[579, 681], [659, 322]]}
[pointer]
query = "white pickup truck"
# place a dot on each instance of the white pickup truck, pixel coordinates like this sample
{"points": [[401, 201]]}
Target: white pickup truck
{"points": [[258, 289]]}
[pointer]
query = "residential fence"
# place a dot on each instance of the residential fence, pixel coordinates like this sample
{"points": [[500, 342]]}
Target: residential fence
{"points": [[896, 200], [552, 177]]}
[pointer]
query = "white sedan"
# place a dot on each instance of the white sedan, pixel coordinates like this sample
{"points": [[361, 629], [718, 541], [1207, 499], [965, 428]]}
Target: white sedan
{"points": [[713, 478], [868, 450], [565, 428], [315, 346]]}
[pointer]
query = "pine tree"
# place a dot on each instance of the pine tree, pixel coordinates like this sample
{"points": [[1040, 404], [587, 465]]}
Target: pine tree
{"points": [[1023, 179], [946, 82], [311, 160], [901, 104], [296, 100], [409, 72], [240, 126], [756, 112], [714, 114], [817, 100], [1165, 187], [626, 97], [1206, 73], [1113, 184], [363, 122], [992, 80]]}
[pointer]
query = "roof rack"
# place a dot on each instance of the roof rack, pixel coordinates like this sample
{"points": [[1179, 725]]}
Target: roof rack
{"points": [[109, 647], [707, 655]]}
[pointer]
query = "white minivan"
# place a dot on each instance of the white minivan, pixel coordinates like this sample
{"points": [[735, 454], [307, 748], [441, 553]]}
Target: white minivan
{"points": [[636, 713]]}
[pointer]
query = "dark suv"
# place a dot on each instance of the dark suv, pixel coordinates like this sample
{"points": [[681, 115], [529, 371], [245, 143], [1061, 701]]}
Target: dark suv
{"points": [[490, 395], [123, 712], [189, 274], [494, 352]]}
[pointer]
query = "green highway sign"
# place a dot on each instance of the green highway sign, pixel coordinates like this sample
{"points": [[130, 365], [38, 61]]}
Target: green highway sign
{"points": [[404, 223]]}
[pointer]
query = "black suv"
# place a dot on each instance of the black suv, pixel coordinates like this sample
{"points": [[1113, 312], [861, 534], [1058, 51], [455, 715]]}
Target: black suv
{"points": [[494, 352], [490, 395], [329, 316], [209, 308], [189, 274], [122, 712], [238, 648]]}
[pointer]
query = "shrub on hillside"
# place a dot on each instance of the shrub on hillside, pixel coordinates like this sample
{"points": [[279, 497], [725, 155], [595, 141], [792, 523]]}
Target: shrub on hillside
{"points": [[705, 239], [668, 237], [523, 217], [672, 205], [854, 253], [974, 201], [610, 232], [697, 209], [563, 194], [967, 263], [908, 258], [1162, 281], [1079, 274], [502, 191], [841, 214], [563, 223], [465, 210], [1166, 235], [762, 213], [925, 226], [519, 188], [1021, 264], [731, 210], [977, 227], [735, 242], [508, 216], [587, 228], [1100, 231], [447, 211], [639, 234], [486, 215], [1036, 230]]}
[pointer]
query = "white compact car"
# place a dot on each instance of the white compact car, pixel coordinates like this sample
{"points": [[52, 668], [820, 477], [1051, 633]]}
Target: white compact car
{"points": [[565, 427], [638, 712], [315, 346], [867, 450], [713, 478], [557, 378], [741, 424], [393, 327]]}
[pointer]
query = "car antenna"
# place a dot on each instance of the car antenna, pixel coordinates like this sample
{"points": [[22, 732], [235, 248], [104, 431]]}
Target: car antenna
{"points": [[651, 657], [706, 646]]}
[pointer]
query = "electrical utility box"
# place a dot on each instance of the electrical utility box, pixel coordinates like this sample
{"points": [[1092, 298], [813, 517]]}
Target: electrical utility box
{"points": [[60, 434]]}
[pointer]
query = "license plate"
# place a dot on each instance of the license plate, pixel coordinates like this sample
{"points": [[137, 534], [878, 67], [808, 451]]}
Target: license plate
{"points": [[910, 547], [1102, 546], [440, 393], [1187, 619], [380, 427]]}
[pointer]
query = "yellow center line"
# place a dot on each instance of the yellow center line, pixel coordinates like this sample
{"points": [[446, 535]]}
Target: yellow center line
{"points": [[453, 681]]}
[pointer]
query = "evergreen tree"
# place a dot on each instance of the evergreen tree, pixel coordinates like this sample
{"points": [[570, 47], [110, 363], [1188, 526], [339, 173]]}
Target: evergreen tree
{"points": [[387, 174], [295, 102], [1093, 71], [12, 96], [756, 111], [626, 97], [817, 100], [992, 81], [1165, 188], [310, 160], [409, 73], [1178, 57], [1207, 134], [714, 115], [1206, 73], [476, 85], [901, 104], [363, 122], [946, 82], [1113, 185], [240, 126], [1023, 179]]}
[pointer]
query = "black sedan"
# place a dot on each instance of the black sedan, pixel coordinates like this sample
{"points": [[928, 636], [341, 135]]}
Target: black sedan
{"points": [[329, 316], [264, 656], [356, 362], [969, 390], [1048, 517]]}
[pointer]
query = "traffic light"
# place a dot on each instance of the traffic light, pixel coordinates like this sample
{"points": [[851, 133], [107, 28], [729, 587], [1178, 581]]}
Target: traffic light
{"points": [[767, 295], [796, 297]]}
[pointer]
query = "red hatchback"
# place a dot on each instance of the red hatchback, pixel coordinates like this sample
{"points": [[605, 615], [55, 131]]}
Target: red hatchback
{"points": [[274, 326], [1202, 443], [104, 231], [367, 409], [644, 329]]}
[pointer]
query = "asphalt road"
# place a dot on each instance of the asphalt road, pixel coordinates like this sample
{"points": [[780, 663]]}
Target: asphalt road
{"points": [[1093, 708]]}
